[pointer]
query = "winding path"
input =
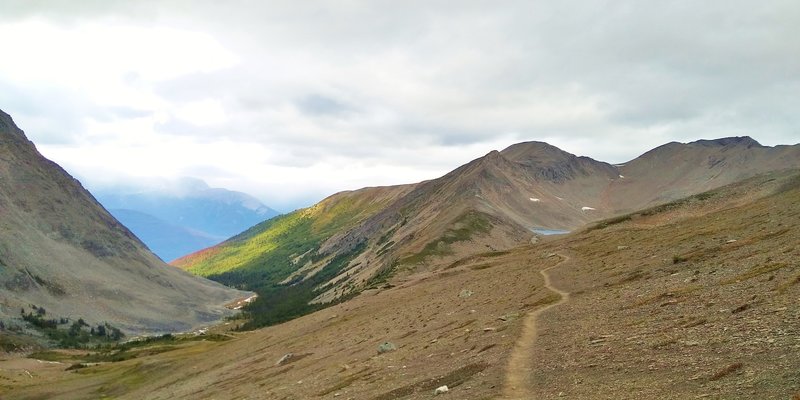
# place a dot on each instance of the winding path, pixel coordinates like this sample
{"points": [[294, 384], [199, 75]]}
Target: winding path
{"points": [[521, 362]]}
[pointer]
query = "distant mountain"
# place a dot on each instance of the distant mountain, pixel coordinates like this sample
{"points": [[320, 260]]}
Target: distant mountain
{"points": [[61, 251], [168, 241], [354, 240], [192, 214]]}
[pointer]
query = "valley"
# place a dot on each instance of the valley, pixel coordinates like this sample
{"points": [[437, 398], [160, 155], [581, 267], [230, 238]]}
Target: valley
{"points": [[383, 200], [691, 298]]}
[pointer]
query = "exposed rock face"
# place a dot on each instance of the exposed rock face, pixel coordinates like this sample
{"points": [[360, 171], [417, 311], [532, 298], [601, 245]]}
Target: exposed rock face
{"points": [[60, 249]]}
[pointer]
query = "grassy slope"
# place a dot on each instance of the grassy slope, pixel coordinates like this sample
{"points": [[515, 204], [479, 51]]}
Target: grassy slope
{"points": [[637, 326], [263, 256]]}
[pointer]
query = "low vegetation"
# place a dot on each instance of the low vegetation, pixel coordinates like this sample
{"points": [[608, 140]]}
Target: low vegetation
{"points": [[278, 303], [262, 258], [70, 334], [462, 229], [117, 352]]}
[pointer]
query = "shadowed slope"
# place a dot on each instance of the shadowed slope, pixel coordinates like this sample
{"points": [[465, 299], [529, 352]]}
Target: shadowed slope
{"points": [[59, 249]]}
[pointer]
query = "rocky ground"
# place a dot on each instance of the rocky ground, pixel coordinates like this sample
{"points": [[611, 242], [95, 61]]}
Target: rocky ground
{"points": [[694, 300]]}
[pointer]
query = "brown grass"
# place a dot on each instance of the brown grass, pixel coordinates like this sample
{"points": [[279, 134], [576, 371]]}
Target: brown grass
{"points": [[452, 379], [726, 371], [754, 272]]}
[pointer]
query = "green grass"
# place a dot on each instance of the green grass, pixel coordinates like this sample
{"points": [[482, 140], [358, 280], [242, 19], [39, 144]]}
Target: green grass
{"points": [[463, 229], [265, 255], [117, 352]]}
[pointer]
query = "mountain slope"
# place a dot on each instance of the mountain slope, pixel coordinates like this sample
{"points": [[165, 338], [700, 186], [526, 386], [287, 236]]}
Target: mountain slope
{"points": [[675, 170], [189, 205], [490, 204], [166, 240], [59, 249], [719, 320]]}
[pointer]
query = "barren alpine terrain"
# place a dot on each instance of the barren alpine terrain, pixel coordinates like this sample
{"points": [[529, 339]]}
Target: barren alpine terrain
{"points": [[693, 299]]}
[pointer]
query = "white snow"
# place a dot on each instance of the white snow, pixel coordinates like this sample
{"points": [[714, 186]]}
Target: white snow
{"points": [[535, 200], [588, 208]]}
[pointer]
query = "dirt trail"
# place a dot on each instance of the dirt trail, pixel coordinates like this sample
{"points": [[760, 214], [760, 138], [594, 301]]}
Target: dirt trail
{"points": [[520, 363]]}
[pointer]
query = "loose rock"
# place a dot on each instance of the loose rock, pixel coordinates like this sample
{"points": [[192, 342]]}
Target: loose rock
{"points": [[441, 390], [284, 359]]}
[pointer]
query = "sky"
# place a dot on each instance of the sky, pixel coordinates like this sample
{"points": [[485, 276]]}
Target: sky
{"points": [[292, 101]]}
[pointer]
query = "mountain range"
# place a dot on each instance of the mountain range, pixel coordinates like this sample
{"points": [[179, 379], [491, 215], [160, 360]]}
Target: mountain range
{"points": [[61, 251], [180, 217], [693, 298], [678, 280], [356, 240]]}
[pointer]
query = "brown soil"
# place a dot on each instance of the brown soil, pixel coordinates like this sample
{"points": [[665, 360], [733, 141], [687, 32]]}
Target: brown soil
{"points": [[520, 364], [694, 301]]}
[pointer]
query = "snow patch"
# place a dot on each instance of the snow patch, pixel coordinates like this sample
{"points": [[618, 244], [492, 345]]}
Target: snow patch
{"points": [[535, 200], [588, 208]]}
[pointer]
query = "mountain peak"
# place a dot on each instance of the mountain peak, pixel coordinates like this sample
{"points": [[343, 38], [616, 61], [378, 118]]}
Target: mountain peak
{"points": [[7, 125], [534, 152], [745, 141]]}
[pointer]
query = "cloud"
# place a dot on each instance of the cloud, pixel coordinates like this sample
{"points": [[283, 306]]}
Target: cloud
{"points": [[294, 100]]}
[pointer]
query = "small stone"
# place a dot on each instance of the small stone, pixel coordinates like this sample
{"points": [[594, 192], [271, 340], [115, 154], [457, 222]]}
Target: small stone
{"points": [[284, 359], [465, 293], [441, 390]]}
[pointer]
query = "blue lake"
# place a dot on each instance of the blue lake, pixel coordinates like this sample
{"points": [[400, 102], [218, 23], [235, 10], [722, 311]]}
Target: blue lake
{"points": [[544, 231]]}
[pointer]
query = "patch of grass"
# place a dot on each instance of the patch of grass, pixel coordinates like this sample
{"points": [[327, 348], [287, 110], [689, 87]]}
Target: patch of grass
{"points": [[476, 257], [487, 347], [76, 366], [700, 197], [382, 277], [116, 352], [670, 295], [13, 342], [463, 229], [278, 303], [694, 322], [549, 299], [726, 371], [677, 259], [791, 282], [345, 382], [262, 257], [754, 272], [609, 222], [452, 379]]}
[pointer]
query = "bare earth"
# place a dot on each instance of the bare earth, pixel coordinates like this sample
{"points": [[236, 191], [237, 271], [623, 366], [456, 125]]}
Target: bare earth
{"points": [[695, 301], [520, 365]]}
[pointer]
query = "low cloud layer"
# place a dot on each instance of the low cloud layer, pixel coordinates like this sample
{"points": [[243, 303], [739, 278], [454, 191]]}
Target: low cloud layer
{"points": [[292, 101]]}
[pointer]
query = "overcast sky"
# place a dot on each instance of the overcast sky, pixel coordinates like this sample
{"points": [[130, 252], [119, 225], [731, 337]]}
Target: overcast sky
{"points": [[294, 100]]}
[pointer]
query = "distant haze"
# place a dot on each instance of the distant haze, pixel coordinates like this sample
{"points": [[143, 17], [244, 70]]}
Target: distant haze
{"points": [[291, 101]]}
